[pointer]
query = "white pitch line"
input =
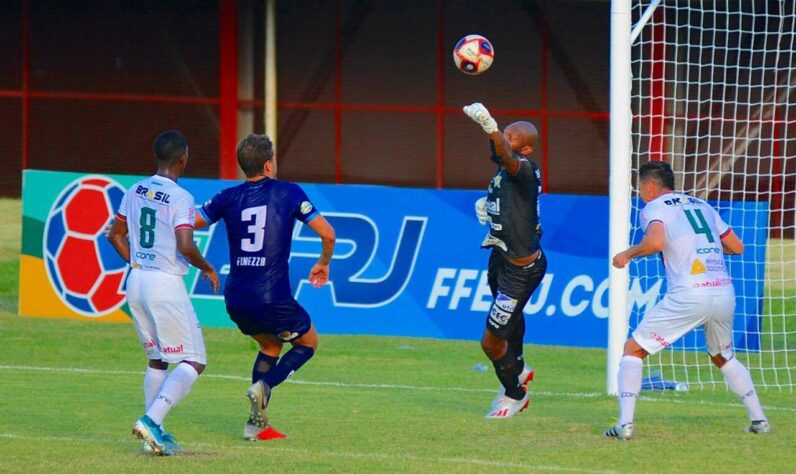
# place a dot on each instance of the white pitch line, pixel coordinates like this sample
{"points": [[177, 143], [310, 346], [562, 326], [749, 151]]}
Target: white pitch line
{"points": [[392, 386], [340, 454]]}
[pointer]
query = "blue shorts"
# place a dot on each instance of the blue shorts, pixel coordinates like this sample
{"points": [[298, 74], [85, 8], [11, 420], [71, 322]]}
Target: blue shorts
{"points": [[286, 320]]}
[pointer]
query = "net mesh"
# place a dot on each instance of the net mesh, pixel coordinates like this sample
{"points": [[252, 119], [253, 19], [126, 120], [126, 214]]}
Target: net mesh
{"points": [[713, 85]]}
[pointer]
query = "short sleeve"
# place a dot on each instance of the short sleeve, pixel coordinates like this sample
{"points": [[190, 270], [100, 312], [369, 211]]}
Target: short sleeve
{"points": [[183, 216], [303, 209], [121, 213], [526, 173], [722, 227], [651, 213], [213, 210]]}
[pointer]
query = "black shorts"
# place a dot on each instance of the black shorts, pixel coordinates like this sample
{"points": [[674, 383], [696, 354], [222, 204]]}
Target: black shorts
{"points": [[286, 320], [511, 287]]}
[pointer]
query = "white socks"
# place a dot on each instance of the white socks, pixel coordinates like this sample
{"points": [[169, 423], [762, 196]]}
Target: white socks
{"points": [[175, 388], [153, 382], [629, 386], [741, 384]]}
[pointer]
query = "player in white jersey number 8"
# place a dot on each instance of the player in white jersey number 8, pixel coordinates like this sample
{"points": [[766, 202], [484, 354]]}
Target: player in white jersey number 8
{"points": [[693, 240]]}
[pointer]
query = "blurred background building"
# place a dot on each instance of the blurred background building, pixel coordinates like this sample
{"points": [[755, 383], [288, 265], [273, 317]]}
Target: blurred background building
{"points": [[367, 90]]}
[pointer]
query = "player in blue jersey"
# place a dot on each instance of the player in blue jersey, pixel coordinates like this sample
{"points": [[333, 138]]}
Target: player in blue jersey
{"points": [[260, 215]]}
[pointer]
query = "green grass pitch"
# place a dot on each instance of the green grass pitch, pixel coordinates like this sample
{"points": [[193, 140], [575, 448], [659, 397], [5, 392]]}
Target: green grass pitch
{"points": [[70, 390]]}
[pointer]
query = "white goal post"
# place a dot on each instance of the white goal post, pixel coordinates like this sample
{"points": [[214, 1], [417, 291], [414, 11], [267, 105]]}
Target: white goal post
{"points": [[707, 86]]}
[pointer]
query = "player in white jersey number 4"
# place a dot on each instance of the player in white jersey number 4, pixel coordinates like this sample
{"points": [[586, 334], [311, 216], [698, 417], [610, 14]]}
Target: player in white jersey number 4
{"points": [[693, 240], [153, 231]]}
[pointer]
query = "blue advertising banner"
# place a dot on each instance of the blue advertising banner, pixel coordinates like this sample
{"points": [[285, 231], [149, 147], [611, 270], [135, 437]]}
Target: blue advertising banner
{"points": [[408, 261]]}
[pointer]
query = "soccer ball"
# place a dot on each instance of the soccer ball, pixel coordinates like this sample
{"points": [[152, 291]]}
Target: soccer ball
{"points": [[84, 269], [473, 54]]}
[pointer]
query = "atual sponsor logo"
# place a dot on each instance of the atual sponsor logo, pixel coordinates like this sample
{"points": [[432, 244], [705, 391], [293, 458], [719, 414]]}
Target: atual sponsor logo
{"points": [[172, 349], [659, 339]]}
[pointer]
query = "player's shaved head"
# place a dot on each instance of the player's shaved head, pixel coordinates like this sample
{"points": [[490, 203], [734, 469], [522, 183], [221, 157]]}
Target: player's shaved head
{"points": [[253, 152], [170, 146], [526, 132]]}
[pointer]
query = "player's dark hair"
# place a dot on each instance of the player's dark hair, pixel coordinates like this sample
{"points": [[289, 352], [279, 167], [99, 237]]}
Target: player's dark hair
{"points": [[253, 152], [170, 146], [659, 171]]}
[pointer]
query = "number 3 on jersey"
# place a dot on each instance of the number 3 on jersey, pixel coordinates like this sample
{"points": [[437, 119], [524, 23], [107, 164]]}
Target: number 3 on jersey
{"points": [[254, 243], [698, 223]]}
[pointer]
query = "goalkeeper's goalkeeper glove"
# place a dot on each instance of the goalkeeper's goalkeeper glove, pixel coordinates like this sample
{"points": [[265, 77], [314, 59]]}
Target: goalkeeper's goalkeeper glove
{"points": [[480, 211], [481, 116]]}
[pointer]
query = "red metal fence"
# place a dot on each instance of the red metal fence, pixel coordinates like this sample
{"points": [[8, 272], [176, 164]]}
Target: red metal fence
{"points": [[367, 89]]}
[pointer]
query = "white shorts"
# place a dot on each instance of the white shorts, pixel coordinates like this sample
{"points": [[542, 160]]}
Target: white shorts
{"points": [[164, 317], [677, 314]]}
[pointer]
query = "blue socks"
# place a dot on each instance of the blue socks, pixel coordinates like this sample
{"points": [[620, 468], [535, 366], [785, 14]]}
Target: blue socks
{"points": [[262, 364], [267, 369]]}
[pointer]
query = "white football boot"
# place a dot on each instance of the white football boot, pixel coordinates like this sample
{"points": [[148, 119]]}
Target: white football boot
{"points": [[759, 427], [506, 407], [259, 395], [525, 377], [623, 432]]}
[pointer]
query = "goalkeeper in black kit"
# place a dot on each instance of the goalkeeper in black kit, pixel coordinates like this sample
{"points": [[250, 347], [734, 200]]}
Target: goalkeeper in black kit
{"points": [[516, 263]]}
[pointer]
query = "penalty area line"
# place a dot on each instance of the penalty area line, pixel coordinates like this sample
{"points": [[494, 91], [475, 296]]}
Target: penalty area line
{"points": [[542, 393]]}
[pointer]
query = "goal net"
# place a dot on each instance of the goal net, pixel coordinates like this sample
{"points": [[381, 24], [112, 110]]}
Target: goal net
{"points": [[712, 88]]}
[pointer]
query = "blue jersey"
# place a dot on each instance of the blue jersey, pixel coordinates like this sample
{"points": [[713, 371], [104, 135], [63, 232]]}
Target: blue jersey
{"points": [[260, 216]]}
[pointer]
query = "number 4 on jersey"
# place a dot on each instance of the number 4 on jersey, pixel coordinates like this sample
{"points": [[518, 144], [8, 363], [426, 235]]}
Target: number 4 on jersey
{"points": [[698, 223]]}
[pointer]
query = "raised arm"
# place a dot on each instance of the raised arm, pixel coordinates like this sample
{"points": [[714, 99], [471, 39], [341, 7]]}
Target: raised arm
{"points": [[501, 149], [319, 274]]}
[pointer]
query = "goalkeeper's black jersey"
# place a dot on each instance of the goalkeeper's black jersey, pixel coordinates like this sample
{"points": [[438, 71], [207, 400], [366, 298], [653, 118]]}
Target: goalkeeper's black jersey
{"points": [[513, 209]]}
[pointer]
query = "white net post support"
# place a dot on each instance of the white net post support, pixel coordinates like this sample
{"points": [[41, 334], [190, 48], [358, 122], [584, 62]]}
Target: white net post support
{"points": [[712, 93]]}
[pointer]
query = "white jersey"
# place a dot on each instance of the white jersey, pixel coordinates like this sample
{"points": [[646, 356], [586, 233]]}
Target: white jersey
{"points": [[693, 255], [154, 209]]}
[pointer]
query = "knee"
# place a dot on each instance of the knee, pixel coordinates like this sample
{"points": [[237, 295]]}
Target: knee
{"points": [[198, 367], [310, 340], [718, 360], [158, 364], [312, 347], [633, 349], [493, 347]]}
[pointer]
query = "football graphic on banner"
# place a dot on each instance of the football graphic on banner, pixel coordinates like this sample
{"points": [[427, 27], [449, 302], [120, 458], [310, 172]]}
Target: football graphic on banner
{"points": [[83, 268]]}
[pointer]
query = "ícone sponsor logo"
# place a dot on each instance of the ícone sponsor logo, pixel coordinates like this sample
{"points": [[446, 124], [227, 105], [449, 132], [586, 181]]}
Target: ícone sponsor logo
{"points": [[708, 250]]}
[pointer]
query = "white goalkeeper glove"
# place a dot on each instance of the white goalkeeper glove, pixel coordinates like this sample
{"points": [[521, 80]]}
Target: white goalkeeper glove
{"points": [[481, 116], [480, 211]]}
